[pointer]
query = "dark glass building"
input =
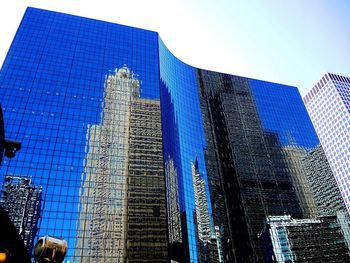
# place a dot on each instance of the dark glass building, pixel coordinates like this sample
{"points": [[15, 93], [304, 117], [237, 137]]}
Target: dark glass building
{"points": [[143, 158]]}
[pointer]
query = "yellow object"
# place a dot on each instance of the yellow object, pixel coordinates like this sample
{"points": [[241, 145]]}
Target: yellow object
{"points": [[3, 257]]}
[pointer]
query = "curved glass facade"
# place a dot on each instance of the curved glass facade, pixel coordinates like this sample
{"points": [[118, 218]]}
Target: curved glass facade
{"points": [[136, 156], [185, 146]]}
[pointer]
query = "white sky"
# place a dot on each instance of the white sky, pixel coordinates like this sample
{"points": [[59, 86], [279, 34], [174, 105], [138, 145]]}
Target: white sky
{"points": [[289, 42]]}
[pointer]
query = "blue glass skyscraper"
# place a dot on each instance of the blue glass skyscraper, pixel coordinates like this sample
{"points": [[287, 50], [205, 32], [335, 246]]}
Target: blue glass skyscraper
{"points": [[141, 157], [73, 111]]}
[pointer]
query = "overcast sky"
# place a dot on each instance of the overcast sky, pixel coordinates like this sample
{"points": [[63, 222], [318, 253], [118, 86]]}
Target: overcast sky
{"points": [[290, 42]]}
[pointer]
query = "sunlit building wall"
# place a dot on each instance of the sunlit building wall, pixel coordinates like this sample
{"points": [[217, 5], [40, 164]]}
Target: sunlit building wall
{"points": [[328, 104]]}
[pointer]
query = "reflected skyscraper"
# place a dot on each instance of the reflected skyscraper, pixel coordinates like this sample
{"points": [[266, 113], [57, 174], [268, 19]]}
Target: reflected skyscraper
{"points": [[294, 158], [173, 164], [103, 198], [147, 225], [22, 201], [123, 179], [322, 183], [256, 179], [201, 210], [173, 207]]}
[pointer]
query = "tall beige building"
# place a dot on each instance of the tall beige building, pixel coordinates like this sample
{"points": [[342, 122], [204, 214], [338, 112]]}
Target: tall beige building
{"points": [[122, 199]]}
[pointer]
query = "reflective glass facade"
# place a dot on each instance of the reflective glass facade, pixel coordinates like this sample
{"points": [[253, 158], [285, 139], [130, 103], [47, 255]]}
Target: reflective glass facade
{"points": [[289, 240], [75, 113], [140, 157]]}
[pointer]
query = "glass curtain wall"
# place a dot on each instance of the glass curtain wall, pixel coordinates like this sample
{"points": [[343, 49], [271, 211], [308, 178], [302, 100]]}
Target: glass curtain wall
{"points": [[135, 156], [82, 96]]}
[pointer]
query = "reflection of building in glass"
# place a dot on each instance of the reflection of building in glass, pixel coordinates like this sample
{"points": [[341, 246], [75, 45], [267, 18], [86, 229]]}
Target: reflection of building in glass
{"points": [[324, 189], [219, 244], [22, 201], [146, 217], [207, 243], [322, 183], [123, 196], [212, 251], [293, 156], [304, 240], [238, 129], [256, 178], [328, 104], [201, 211], [173, 207], [103, 199]]}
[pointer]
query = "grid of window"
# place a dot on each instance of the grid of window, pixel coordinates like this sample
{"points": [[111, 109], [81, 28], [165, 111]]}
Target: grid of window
{"points": [[184, 150], [256, 135], [292, 242], [58, 99], [136, 156], [329, 111]]}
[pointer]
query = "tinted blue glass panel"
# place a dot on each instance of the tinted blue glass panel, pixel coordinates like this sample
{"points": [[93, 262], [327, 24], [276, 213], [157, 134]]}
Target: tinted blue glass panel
{"points": [[282, 111], [52, 89], [119, 136], [184, 141]]}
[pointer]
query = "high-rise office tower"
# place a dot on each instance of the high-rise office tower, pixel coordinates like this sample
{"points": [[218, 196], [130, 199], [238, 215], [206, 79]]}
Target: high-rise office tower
{"points": [[21, 199], [328, 104], [304, 240], [174, 163]]}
